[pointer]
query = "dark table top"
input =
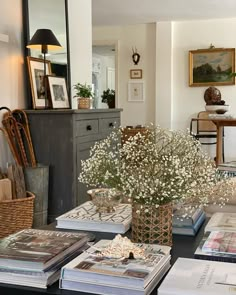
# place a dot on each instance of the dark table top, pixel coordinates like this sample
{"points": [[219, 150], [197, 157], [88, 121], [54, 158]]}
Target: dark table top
{"points": [[183, 246]]}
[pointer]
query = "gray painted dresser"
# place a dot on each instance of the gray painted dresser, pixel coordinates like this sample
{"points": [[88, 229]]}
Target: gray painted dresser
{"points": [[61, 139]]}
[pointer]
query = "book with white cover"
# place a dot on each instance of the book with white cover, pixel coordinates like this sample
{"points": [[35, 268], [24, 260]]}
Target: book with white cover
{"points": [[124, 272], [222, 221], [85, 217], [92, 287], [199, 277]]}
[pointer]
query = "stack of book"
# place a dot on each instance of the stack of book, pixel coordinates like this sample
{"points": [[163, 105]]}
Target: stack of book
{"points": [[108, 273], [188, 225], [217, 246], [228, 168], [85, 217], [198, 277], [34, 257]]}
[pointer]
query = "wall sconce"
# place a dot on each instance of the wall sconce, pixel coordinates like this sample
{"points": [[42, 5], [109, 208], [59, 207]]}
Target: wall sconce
{"points": [[135, 56]]}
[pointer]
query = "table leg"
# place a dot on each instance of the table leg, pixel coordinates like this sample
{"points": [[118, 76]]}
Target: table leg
{"points": [[219, 145]]}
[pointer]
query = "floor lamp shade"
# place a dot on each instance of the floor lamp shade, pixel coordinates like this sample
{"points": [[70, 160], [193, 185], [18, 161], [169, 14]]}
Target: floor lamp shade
{"points": [[45, 40]]}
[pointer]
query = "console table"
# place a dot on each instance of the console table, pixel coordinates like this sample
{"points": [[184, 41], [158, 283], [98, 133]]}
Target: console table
{"points": [[183, 246]]}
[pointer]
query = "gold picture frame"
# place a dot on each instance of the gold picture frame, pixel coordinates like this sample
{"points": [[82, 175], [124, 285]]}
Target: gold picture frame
{"points": [[36, 75], [136, 74], [210, 67]]}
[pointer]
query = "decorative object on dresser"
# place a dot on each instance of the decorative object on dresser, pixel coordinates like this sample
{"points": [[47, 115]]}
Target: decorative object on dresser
{"points": [[68, 136], [117, 267], [85, 217], [150, 168], [35, 257], [198, 277], [203, 70], [84, 94], [108, 96]]}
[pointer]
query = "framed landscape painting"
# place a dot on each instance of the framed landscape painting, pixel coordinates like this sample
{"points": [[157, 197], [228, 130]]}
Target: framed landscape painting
{"points": [[208, 67]]}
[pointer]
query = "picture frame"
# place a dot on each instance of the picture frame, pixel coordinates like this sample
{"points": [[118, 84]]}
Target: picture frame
{"points": [[211, 67], [58, 92], [37, 84], [136, 91], [136, 74]]}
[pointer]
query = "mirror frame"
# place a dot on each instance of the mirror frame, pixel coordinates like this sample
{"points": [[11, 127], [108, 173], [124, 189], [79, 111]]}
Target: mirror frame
{"points": [[26, 38]]}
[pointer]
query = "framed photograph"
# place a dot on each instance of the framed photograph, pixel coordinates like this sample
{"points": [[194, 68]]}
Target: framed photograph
{"points": [[136, 91], [37, 81], [58, 92], [136, 74], [209, 67]]}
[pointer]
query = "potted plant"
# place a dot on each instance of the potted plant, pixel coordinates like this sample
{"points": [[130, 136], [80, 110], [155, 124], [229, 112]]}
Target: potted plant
{"points": [[84, 94], [108, 97], [155, 169]]}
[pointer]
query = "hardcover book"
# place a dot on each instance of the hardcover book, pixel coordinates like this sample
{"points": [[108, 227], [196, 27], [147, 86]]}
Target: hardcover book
{"points": [[179, 218], [199, 277], [38, 249], [190, 230], [128, 272], [85, 217], [222, 222]]}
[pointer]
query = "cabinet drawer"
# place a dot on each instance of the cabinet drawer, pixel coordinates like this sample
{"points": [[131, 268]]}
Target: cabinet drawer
{"points": [[107, 124], [86, 127]]}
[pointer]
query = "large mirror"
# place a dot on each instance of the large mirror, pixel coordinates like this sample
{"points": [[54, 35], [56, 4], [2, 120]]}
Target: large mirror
{"points": [[48, 14]]}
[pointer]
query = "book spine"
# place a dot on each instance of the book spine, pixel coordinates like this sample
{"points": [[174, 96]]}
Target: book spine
{"points": [[215, 258]]}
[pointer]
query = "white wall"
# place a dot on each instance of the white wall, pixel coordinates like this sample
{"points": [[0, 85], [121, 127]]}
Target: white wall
{"points": [[143, 38], [11, 61], [80, 34], [187, 101]]}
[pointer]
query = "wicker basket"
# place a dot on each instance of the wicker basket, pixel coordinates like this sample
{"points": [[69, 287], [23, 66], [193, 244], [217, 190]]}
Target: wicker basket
{"points": [[84, 103], [16, 215], [152, 225]]}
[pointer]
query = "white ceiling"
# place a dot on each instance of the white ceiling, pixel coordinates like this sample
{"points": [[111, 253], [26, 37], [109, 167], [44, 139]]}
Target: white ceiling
{"points": [[126, 12]]}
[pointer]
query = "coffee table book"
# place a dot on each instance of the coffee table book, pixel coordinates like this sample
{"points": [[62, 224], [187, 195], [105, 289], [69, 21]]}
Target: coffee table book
{"points": [[178, 220], [33, 249], [91, 269], [199, 277], [222, 221], [189, 230], [85, 217]]}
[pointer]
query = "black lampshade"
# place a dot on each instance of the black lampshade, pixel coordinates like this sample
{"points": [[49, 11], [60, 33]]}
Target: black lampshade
{"points": [[44, 39]]}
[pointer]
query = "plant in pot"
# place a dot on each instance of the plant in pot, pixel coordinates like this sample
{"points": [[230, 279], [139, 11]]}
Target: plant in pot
{"points": [[84, 94], [108, 97]]}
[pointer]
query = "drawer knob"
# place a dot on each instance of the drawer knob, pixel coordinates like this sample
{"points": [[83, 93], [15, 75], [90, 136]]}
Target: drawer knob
{"points": [[111, 124], [89, 127]]}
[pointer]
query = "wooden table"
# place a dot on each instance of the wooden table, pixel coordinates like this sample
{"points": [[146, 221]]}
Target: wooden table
{"points": [[220, 124]]}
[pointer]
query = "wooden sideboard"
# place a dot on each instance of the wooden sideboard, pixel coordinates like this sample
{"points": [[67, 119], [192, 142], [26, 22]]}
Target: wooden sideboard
{"points": [[61, 139]]}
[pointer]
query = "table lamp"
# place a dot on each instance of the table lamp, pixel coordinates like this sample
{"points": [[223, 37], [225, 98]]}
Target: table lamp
{"points": [[45, 40]]}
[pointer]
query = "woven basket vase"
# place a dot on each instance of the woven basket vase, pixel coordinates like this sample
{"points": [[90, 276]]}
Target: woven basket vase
{"points": [[152, 225], [16, 215], [84, 103]]}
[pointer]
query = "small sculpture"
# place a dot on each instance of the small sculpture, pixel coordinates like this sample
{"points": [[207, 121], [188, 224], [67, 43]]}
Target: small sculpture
{"points": [[135, 56]]}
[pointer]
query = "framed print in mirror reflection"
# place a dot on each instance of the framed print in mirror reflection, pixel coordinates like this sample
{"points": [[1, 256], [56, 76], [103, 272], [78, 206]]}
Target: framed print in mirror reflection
{"points": [[37, 82], [58, 92]]}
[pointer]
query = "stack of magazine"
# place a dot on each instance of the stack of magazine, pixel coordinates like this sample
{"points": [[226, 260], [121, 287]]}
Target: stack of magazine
{"points": [[188, 225], [93, 272], [86, 217], [219, 240], [34, 257]]}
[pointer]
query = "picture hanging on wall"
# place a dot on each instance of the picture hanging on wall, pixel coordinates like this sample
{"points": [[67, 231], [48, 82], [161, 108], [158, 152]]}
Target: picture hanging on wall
{"points": [[136, 74], [209, 67], [58, 92], [37, 82], [136, 91]]}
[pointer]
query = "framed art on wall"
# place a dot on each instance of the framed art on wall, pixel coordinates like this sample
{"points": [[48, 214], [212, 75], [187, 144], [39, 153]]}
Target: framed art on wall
{"points": [[58, 92], [136, 74], [209, 67], [37, 82], [136, 91]]}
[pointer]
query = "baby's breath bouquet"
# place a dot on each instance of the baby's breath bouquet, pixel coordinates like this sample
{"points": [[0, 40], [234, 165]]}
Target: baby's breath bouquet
{"points": [[156, 167]]}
